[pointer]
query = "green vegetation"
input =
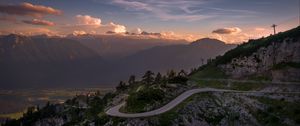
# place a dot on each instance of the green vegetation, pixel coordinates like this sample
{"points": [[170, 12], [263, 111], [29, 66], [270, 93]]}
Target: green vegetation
{"points": [[277, 108], [70, 110], [208, 71], [166, 119], [211, 83], [284, 65], [258, 77], [223, 84], [16, 115], [247, 49], [138, 100], [246, 86], [148, 93]]}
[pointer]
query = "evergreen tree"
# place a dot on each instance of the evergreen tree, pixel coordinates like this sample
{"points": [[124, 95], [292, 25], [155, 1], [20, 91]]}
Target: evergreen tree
{"points": [[121, 86], [148, 77], [182, 73], [158, 78], [131, 79], [171, 74]]}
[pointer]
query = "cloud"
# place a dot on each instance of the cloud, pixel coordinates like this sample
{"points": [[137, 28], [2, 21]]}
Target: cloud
{"points": [[233, 30], [117, 28], [92, 25], [8, 19], [259, 29], [136, 31], [76, 33], [150, 33], [232, 38], [28, 31], [39, 22], [88, 20], [133, 4], [164, 10], [28, 9]]}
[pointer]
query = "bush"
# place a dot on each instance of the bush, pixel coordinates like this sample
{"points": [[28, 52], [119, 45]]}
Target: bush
{"points": [[137, 101], [179, 79]]}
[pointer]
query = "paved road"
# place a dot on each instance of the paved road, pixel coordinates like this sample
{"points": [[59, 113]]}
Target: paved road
{"points": [[114, 111]]}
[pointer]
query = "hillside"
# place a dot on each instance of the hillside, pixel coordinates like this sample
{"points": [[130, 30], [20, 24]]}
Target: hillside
{"points": [[211, 95], [274, 58]]}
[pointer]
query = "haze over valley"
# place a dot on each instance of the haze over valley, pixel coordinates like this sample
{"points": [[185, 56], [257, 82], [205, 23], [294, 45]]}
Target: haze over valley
{"points": [[149, 63]]}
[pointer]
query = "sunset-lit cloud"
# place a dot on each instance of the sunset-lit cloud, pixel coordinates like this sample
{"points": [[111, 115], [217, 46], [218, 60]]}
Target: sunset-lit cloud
{"points": [[29, 31], [259, 29], [227, 20], [88, 20], [136, 31], [92, 25], [8, 18], [233, 30], [28, 9], [79, 33], [39, 22], [117, 28]]}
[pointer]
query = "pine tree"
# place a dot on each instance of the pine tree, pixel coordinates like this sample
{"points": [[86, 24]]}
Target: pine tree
{"points": [[121, 86], [171, 74], [131, 79], [158, 78], [182, 73], [148, 77]]}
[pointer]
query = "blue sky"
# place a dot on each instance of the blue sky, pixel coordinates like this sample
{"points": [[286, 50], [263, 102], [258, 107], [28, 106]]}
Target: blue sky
{"points": [[181, 17]]}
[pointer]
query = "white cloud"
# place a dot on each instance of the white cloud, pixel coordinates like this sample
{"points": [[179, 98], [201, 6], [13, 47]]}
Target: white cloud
{"points": [[91, 25], [88, 20], [136, 31], [117, 28], [163, 9]]}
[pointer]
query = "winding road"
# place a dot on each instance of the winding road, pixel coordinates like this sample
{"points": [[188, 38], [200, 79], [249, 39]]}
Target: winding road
{"points": [[114, 111]]}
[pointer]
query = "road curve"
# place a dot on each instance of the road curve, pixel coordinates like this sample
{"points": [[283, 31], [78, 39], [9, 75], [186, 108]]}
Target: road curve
{"points": [[114, 111]]}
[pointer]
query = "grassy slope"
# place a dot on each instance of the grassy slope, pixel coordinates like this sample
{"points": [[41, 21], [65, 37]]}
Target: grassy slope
{"points": [[212, 71]]}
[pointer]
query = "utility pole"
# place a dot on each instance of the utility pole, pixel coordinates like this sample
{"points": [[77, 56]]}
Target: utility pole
{"points": [[274, 27]]}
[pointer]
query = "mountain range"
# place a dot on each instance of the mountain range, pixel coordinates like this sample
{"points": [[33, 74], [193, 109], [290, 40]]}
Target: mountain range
{"points": [[90, 61]]}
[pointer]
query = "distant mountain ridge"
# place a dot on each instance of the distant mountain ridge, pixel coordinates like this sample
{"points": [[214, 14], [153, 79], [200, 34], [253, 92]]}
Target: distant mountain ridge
{"points": [[119, 46], [44, 61], [18, 48], [180, 56], [41, 61]]}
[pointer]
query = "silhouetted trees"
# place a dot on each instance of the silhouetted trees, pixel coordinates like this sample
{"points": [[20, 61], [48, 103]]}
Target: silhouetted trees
{"points": [[171, 74], [131, 79], [182, 73], [158, 78], [148, 77], [122, 86]]}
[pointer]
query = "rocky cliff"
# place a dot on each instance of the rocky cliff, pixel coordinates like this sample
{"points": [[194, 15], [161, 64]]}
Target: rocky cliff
{"points": [[265, 59]]}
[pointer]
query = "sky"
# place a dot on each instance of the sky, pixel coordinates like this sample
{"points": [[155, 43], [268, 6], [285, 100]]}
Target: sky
{"points": [[232, 21]]}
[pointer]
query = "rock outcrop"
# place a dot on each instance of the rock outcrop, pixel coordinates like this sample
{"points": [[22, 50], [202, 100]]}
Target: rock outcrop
{"points": [[264, 60]]}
